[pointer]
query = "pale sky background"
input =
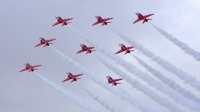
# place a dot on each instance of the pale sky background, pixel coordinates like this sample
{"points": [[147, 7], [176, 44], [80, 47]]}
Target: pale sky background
{"points": [[22, 22]]}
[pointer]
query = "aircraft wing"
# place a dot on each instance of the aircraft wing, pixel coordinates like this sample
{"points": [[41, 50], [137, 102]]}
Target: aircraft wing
{"points": [[50, 40], [130, 47], [23, 70], [148, 15], [96, 23], [119, 51], [90, 47], [78, 75], [35, 66], [67, 19], [56, 23], [80, 51], [106, 19], [136, 21], [66, 79], [115, 80], [38, 44]]}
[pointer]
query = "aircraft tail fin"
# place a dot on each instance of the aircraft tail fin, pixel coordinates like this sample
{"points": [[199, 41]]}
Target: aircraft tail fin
{"points": [[29, 71], [73, 80], [117, 83], [128, 51], [105, 23], [90, 51], [63, 24], [146, 20]]}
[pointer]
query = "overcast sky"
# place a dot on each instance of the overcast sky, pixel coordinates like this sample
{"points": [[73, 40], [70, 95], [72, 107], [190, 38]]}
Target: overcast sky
{"points": [[23, 22]]}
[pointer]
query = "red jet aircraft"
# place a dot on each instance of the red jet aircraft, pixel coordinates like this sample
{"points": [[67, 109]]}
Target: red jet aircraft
{"points": [[142, 17], [113, 81], [63, 21], [45, 42], [29, 67], [85, 48], [71, 76], [124, 48], [101, 20]]}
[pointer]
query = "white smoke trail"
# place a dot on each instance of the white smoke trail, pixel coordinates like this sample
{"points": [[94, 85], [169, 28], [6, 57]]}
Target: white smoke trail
{"points": [[183, 46], [123, 90], [141, 87], [106, 104], [81, 102], [104, 84], [168, 66], [158, 85], [168, 81]]}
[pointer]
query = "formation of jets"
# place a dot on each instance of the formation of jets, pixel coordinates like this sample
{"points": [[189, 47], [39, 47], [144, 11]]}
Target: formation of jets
{"points": [[104, 21], [85, 48]]}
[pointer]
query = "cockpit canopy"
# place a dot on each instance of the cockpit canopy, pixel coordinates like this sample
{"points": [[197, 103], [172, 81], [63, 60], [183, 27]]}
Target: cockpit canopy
{"points": [[108, 77], [137, 13], [97, 17]]}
